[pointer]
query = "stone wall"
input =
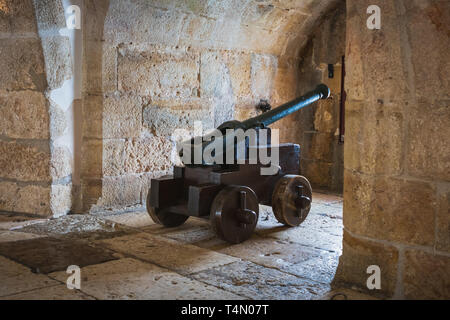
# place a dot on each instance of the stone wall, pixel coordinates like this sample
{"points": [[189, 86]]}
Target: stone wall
{"points": [[34, 61], [397, 151], [153, 66]]}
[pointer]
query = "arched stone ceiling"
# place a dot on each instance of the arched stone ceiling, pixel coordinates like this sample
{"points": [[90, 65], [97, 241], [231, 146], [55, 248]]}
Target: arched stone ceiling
{"points": [[278, 27]]}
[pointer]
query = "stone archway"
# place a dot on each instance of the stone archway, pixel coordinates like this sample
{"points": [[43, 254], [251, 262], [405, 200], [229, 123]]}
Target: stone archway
{"points": [[171, 63]]}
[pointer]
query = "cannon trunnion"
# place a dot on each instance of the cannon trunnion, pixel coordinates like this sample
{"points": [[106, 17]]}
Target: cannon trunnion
{"points": [[229, 194]]}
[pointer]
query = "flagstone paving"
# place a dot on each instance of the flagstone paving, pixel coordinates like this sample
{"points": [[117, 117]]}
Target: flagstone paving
{"points": [[128, 256]]}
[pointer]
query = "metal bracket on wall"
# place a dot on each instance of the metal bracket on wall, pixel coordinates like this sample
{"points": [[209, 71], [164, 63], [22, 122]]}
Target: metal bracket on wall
{"points": [[342, 104], [331, 71]]}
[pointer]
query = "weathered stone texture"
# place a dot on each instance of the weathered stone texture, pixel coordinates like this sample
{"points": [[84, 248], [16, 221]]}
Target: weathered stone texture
{"points": [[27, 198], [443, 221], [358, 255], [163, 120], [141, 155], [24, 115], [24, 162], [375, 140], [58, 121], [100, 67], [50, 14], [387, 208], [58, 63], [384, 70], [122, 116], [92, 115], [428, 148], [430, 47], [147, 25], [170, 73], [22, 65], [263, 72], [17, 16], [61, 163], [60, 199], [426, 275], [91, 158]]}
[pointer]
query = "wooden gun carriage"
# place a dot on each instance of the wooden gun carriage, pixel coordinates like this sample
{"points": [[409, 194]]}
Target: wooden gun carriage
{"points": [[229, 194]]}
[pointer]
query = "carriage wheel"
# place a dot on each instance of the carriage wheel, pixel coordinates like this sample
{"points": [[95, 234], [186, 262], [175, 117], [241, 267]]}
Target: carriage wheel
{"points": [[165, 217], [234, 213], [291, 200]]}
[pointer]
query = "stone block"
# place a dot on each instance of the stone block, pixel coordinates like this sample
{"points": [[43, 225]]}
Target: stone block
{"points": [[263, 72], [159, 73], [264, 15], [100, 67], [358, 254], [60, 199], [133, 279], [387, 208], [17, 16], [55, 292], [17, 278], [163, 118], [214, 77], [122, 116], [426, 275], [147, 154], [50, 14], [429, 37], [58, 62], [94, 16], [197, 29], [61, 163], [31, 199], [285, 86], [374, 141], [22, 65], [182, 258], [24, 115], [91, 158], [120, 192], [92, 114], [24, 162], [91, 192], [443, 221], [257, 282], [428, 147], [149, 24], [58, 121], [375, 58], [11, 236], [114, 157]]}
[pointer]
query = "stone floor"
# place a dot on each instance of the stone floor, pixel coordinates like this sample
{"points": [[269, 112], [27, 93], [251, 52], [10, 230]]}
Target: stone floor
{"points": [[127, 256]]}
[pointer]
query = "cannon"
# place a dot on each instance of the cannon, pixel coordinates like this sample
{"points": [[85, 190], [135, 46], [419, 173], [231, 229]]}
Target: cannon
{"points": [[226, 175]]}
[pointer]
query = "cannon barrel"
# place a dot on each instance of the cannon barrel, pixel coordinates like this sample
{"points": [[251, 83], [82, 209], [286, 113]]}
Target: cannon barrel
{"points": [[269, 117], [261, 121]]}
